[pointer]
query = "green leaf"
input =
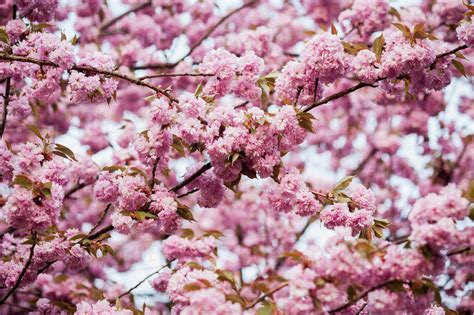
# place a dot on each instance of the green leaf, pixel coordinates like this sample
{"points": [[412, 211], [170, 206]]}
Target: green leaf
{"points": [[377, 48], [405, 30], [194, 265], [113, 168], [214, 233], [78, 236], [23, 181], [377, 231], [4, 36], [459, 66], [305, 121], [143, 215], [382, 223], [190, 287], [178, 145], [68, 152], [60, 278], [343, 184], [224, 275], [184, 212], [187, 233], [353, 49], [198, 91], [235, 299], [36, 131], [265, 310], [395, 13]]}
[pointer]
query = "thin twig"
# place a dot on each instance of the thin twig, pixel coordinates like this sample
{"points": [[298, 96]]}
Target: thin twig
{"points": [[453, 51], [106, 229], [458, 251], [192, 191], [23, 271], [101, 219], [260, 299], [142, 281], [171, 75], [199, 42], [354, 301], [339, 94], [191, 178], [106, 25], [153, 174], [6, 100], [77, 188]]}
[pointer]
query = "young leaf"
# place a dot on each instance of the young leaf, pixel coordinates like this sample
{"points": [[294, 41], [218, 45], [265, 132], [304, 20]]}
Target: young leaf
{"points": [[23, 181], [184, 212], [377, 48], [459, 66], [4, 36], [343, 184], [36, 131]]}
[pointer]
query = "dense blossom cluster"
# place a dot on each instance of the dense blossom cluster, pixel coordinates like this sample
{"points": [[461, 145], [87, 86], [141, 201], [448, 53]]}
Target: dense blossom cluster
{"points": [[262, 157]]}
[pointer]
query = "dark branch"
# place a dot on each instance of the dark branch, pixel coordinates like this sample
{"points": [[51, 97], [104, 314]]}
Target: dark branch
{"points": [[6, 100], [88, 70], [101, 219], [23, 271], [108, 24], [191, 178], [199, 42]]}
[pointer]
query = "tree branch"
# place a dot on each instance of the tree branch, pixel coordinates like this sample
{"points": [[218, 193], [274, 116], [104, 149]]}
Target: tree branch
{"points": [[6, 100], [23, 271], [191, 178], [87, 70], [363, 295], [199, 42], [260, 299], [101, 218], [362, 85], [142, 281], [171, 75], [153, 174], [108, 24]]}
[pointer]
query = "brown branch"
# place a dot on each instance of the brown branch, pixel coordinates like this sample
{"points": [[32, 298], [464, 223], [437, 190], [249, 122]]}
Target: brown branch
{"points": [[453, 51], [363, 295], [6, 100], [77, 188], [87, 70], [260, 299], [191, 178], [106, 229], [142, 281], [153, 174], [101, 218], [362, 85], [23, 271], [199, 42], [106, 25], [340, 94], [458, 251], [192, 191], [171, 75]]}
